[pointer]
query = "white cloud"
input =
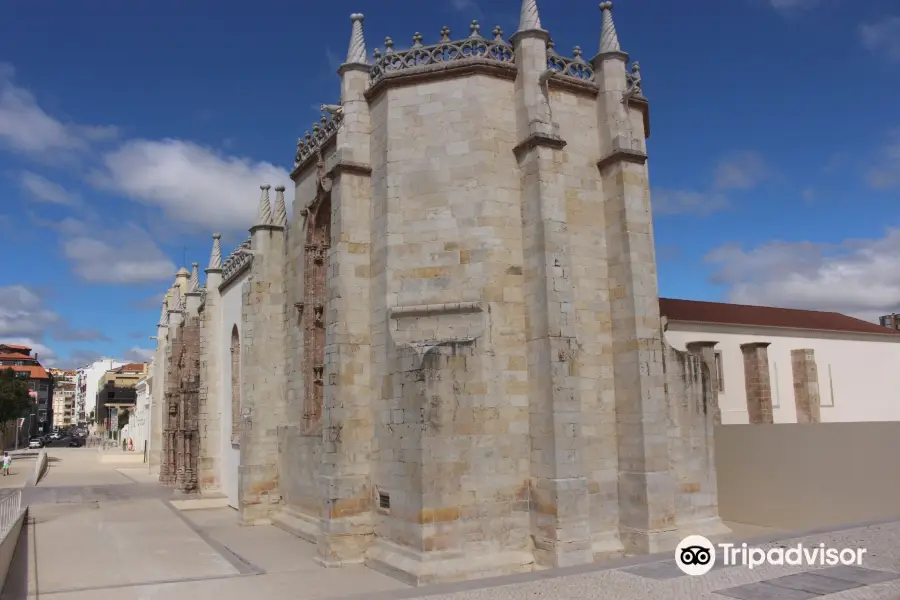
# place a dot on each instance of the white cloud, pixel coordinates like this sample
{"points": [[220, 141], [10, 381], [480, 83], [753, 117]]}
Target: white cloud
{"points": [[676, 202], [883, 37], [886, 173], [42, 189], [26, 128], [191, 183], [741, 172], [139, 355], [23, 315], [855, 277], [125, 254], [792, 5]]}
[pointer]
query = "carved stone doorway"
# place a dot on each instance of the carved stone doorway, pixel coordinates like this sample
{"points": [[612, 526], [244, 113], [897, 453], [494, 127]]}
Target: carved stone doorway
{"points": [[315, 294]]}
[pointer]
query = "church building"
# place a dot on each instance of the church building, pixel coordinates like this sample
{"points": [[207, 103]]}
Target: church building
{"points": [[449, 361]]}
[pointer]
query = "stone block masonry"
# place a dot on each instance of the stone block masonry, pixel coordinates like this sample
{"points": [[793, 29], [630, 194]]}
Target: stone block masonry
{"points": [[452, 360], [806, 386], [758, 383]]}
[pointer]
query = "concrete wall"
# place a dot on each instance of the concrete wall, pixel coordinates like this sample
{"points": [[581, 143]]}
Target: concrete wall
{"points": [[10, 542], [802, 476], [857, 380], [231, 454]]}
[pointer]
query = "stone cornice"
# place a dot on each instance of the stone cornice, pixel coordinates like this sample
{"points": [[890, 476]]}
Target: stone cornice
{"points": [[234, 276], [622, 155], [538, 139], [432, 309], [348, 166], [353, 67], [266, 227], [312, 159], [617, 55], [449, 70], [540, 34]]}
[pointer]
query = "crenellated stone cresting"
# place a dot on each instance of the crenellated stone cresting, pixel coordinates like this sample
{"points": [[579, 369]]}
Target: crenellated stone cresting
{"points": [[576, 67], [419, 57], [236, 263], [322, 133]]}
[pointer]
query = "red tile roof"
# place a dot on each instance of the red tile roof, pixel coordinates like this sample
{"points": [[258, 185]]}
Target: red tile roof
{"points": [[12, 356], [695, 311], [131, 367], [37, 372], [16, 348]]}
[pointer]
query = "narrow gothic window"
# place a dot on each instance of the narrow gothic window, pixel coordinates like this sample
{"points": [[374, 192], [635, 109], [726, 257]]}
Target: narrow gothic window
{"points": [[235, 384], [318, 241]]}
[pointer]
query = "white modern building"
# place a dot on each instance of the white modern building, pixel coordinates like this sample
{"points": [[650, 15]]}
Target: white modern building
{"points": [[853, 360], [138, 427], [88, 382]]}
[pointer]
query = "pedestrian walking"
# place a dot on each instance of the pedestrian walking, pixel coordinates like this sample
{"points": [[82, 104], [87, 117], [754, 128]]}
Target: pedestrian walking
{"points": [[7, 460]]}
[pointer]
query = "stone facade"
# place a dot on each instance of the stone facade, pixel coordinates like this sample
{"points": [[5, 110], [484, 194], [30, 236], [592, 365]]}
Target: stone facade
{"points": [[451, 355]]}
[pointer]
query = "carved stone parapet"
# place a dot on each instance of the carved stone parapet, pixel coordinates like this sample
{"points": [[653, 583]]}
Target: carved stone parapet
{"points": [[418, 56]]}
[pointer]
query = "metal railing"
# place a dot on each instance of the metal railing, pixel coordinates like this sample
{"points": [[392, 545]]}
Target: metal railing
{"points": [[10, 507]]}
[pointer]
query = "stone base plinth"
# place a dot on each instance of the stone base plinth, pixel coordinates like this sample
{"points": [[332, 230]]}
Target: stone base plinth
{"points": [[607, 546], [296, 523], [711, 528], [637, 541], [258, 495], [418, 568]]}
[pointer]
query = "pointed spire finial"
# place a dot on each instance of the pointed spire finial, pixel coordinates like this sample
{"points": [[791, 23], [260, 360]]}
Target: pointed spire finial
{"points": [[215, 256], [194, 285], [280, 218], [609, 39], [529, 17], [356, 54], [164, 316], [179, 304], [265, 208]]}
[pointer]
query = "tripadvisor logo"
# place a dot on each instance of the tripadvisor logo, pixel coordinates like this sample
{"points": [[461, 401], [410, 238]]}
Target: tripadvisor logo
{"points": [[696, 555]]}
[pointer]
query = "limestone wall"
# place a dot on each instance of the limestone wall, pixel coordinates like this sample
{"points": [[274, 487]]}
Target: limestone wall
{"points": [[575, 113], [298, 449], [451, 421], [230, 309], [693, 414]]}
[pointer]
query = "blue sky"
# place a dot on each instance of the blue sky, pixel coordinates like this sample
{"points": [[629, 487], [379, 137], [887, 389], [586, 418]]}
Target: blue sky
{"points": [[130, 131]]}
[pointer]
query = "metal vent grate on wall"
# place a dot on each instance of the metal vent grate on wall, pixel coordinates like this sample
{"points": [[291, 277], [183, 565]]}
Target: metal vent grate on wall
{"points": [[384, 501]]}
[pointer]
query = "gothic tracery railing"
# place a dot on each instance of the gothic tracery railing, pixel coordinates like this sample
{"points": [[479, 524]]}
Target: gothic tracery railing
{"points": [[445, 51], [576, 68], [322, 132]]}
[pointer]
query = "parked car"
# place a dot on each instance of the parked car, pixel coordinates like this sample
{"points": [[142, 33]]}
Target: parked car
{"points": [[36, 443], [76, 443]]}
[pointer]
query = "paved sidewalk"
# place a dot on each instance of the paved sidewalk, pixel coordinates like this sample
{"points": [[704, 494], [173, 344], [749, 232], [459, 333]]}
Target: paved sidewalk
{"points": [[127, 541]]}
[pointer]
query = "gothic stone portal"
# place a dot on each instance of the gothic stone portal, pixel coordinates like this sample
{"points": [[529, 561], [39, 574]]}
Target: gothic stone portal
{"points": [[315, 269], [181, 440]]}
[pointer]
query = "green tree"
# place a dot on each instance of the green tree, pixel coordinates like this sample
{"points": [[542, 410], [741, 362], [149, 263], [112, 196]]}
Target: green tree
{"points": [[14, 398]]}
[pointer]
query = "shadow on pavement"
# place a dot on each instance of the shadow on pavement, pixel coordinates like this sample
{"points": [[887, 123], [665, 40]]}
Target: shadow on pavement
{"points": [[17, 580]]}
